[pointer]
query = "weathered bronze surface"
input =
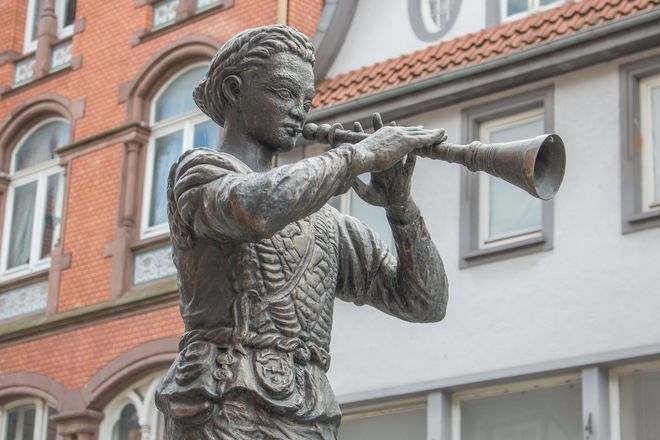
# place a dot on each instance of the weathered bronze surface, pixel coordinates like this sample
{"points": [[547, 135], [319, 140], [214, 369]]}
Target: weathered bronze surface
{"points": [[261, 256]]}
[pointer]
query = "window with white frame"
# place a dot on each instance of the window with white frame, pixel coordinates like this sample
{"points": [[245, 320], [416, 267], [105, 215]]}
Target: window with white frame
{"points": [[498, 219], [133, 413], [27, 419], [34, 200], [635, 401], [515, 9], [546, 409], [506, 212], [395, 420], [65, 11], [649, 98], [640, 144], [177, 125]]}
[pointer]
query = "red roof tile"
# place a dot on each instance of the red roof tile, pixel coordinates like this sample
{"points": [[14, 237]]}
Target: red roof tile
{"points": [[470, 49]]}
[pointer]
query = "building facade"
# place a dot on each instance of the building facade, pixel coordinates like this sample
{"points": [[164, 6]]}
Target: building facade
{"points": [[551, 330]]}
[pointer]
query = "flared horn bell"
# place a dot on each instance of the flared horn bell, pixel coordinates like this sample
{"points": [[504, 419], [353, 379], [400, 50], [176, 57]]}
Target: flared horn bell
{"points": [[536, 165]]}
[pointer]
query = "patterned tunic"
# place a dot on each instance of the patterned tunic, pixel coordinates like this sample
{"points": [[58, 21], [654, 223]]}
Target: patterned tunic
{"points": [[260, 259]]}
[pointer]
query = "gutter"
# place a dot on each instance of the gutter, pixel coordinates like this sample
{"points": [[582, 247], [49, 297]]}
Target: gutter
{"points": [[582, 37]]}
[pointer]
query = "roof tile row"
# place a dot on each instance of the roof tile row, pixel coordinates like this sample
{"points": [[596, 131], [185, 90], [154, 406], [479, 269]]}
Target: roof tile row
{"points": [[470, 49]]}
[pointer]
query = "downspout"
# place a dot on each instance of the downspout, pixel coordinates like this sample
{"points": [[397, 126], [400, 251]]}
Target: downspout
{"points": [[282, 11]]}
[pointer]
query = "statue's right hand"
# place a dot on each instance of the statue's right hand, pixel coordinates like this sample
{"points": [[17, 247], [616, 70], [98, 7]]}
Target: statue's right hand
{"points": [[389, 144]]}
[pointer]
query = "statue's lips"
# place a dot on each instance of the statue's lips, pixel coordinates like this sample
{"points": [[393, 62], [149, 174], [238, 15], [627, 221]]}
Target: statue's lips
{"points": [[293, 129]]}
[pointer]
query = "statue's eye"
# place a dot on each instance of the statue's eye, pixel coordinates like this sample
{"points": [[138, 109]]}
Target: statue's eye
{"points": [[307, 105], [284, 93]]}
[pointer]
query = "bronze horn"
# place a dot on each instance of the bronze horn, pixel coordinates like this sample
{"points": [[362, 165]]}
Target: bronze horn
{"points": [[536, 165]]}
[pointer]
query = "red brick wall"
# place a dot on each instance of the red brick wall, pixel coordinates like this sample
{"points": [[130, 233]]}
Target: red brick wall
{"points": [[91, 219], [108, 61], [72, 358], [304, 15]]}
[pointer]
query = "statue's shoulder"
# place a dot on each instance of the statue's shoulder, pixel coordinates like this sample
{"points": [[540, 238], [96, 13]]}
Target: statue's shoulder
{"points": [[207, 158]]}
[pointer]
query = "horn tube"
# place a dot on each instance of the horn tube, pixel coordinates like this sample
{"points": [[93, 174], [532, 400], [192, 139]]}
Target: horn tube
{"points": [[535, 165]]}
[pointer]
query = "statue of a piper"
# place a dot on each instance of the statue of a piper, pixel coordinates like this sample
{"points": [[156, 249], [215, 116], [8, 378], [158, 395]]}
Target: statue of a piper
{"points": [[261, 256]]}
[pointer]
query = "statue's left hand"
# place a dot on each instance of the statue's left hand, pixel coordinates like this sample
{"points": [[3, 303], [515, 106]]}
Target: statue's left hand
{"points": [[389, 188]]}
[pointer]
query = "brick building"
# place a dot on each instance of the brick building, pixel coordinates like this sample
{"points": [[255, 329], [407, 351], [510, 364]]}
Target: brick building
{"points": [[558, 303]]}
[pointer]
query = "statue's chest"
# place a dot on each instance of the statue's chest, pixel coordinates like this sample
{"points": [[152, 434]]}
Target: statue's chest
{"points": [[297, 274]]}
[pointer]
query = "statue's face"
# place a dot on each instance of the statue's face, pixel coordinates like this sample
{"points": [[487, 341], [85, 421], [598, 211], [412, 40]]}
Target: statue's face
{"points": [[275, 100]]}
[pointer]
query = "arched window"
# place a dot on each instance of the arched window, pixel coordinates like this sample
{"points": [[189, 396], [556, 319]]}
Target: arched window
{"points": [[34, 201], [27, 419], [177, 125], [133, 415]]}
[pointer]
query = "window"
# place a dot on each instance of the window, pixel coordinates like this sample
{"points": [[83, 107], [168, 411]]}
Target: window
{"points": [[432, 19], [539, 410], [499, 219], [133, 412], [27, 419], [635, 401], [177, 125], [650, 125], [640, 145], [507, 213], [514, 9], [65, 10], [34, 201], [387, 421]]}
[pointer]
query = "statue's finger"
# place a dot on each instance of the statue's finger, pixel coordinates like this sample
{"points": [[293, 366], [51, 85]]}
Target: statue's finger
{"points": [[357, 127], [366, 192], [393, 124], [409, 166], [377, 121]]}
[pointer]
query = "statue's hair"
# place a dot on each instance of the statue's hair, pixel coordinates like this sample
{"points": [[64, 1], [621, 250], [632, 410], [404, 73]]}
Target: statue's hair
{"points": [[246, 51]]}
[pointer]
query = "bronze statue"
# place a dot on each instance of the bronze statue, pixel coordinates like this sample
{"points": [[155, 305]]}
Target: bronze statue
{"points": [[261, 256]]}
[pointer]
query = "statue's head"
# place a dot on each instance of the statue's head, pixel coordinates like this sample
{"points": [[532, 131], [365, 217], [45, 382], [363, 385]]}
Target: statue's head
{"points": [[255, 75]]}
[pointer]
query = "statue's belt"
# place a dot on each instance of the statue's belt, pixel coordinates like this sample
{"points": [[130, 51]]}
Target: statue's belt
{"points": [[304, 352]]}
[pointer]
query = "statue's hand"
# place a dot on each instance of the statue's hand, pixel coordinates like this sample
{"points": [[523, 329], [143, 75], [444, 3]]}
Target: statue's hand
{"points": [[390, 188]]}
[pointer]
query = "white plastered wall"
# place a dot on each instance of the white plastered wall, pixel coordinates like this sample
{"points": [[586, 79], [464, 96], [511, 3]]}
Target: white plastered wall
{"points": [[596, 291]]}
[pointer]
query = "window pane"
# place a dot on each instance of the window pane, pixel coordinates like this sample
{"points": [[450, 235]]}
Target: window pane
{"points": [[177, 97], [52, 214], [12, 424], [545, 414], [51, 428], [28, 423], [165, 13], [515, 6], [38, 7], [410, 425], [373, 216], [22, 219], [167, 150], [512, 210], [546, 2], [40, 145], [69, 12], [207, 134], [655, 121], [203, 4], [640, 406], [128, 426]]}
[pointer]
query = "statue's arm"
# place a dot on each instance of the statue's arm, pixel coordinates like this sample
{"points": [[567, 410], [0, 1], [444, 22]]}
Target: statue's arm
{"points": [[411, 286], [218, 200]]}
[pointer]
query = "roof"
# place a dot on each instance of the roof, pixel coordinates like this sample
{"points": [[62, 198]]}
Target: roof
{"points": [[471, 49]]}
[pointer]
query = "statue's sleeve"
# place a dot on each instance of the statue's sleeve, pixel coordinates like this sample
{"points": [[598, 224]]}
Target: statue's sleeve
{"points": [[410, 286], [219, 198]]}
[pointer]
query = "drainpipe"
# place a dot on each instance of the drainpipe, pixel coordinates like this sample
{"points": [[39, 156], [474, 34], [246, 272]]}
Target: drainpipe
{"points": [[46, 37], [282, 11]]}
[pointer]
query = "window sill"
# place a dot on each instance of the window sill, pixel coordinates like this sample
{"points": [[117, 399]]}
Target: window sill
{"points": [[505, 251], [641, 221], [144, 35], [151, 242]]}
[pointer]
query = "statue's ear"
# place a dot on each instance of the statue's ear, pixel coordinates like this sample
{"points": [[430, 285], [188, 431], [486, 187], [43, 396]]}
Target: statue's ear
{"points": [[231, 89]]}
